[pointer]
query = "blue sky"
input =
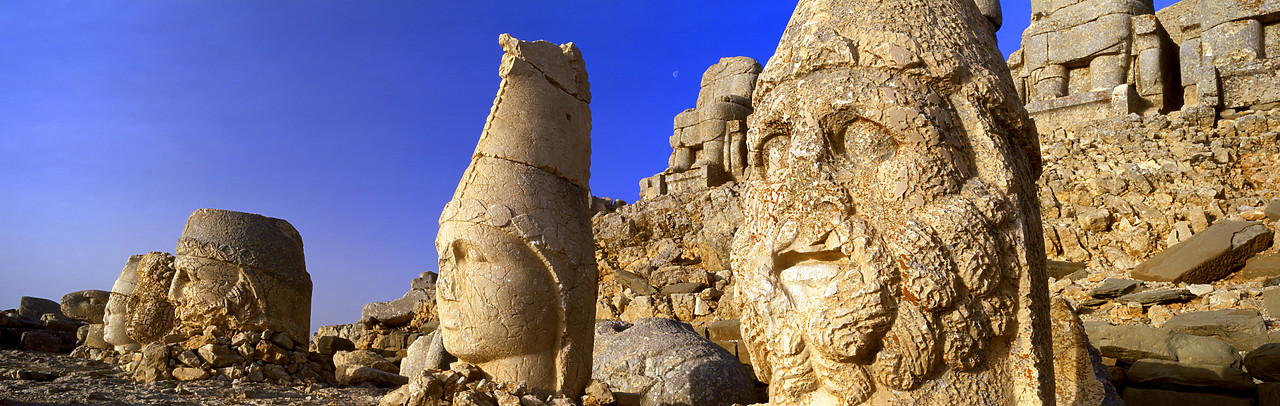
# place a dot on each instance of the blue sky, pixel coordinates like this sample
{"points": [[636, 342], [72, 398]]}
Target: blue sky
{"points": [[353, 120]]}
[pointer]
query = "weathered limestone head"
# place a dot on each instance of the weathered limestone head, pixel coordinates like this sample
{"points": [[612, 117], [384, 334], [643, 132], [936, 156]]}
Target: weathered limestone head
{"points": [[517, 265], [113, 330], [150, 315], [891, 251], [243, 271]]}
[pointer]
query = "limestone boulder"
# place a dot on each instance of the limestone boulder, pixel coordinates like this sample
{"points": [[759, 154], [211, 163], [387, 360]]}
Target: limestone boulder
{"points": [[86, 305], [1209, 255], [1130, 343], [396, 312], [364, 358], [426, 352], [1264, 362], [355, 375], [1244, 329], [664, 362]]}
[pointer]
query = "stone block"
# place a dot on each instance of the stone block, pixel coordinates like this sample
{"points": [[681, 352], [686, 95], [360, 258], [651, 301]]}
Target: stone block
{"points": [[725, 330], [1161, 296], [1245, 85], [1174, 375], [1234, 41], [1131, 343], [34, 307], [396, 312], [1208, 256], [1114, 287], [1260, 266], [1244, 329], [636, 283]]}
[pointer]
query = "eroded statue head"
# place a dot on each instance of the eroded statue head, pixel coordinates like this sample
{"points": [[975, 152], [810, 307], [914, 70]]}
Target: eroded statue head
{"points": [[517, 265], [892, 229], [242, 271]]}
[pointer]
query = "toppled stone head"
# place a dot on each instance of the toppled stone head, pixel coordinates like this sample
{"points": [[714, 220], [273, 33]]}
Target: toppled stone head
{"points": [[87, 305], [891, 250], [517, 267], [242, 271]]}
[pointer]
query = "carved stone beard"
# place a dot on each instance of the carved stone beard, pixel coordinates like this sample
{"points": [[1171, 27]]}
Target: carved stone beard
{"points": [[229, 300], [873, 253]]}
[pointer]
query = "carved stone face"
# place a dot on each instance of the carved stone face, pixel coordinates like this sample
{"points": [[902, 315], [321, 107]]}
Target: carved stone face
{"points": [[209, 291], [113, 330], [496, 296], [869, 245], [242, 271]]}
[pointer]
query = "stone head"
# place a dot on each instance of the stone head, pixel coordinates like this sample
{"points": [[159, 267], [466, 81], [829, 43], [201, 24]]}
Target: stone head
{"points": [[242, 271], [891, 188], [113, 319], [517, 266]]}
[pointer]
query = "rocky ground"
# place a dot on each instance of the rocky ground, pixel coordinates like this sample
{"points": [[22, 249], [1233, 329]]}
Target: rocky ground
{"points": [[42, 378]]}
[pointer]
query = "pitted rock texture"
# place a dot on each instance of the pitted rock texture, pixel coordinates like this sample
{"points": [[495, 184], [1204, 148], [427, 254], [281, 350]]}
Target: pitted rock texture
{"points": [[891, 248], [664, 362]]}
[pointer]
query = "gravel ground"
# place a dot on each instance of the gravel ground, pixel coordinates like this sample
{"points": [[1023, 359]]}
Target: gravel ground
{"points": [[38, 378]]}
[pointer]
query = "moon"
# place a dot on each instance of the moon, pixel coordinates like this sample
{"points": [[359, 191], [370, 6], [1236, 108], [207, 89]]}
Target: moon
{"points": [[675, 74]]}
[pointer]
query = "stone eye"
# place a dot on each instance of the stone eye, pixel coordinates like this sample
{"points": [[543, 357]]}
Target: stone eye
{"points": [[859, 140], [773, 155]]}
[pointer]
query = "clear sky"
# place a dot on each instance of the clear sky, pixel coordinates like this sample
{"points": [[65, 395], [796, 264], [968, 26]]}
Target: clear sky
{"points": [[353, 120]]}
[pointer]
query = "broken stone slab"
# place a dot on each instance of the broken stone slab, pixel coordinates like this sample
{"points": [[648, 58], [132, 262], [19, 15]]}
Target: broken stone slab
{"points": [[1209, 255], [1244, 329], [1162, 296], [34, 307], [1063, 269], [1271, 301], [396, 312], [683, 288], [87, 305], [636, 283], [355, 375], [1260, 266], [1114, 287], [1264, 362], [1273, 210], [1176, 375], [1130, 343], [364, 358]]}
